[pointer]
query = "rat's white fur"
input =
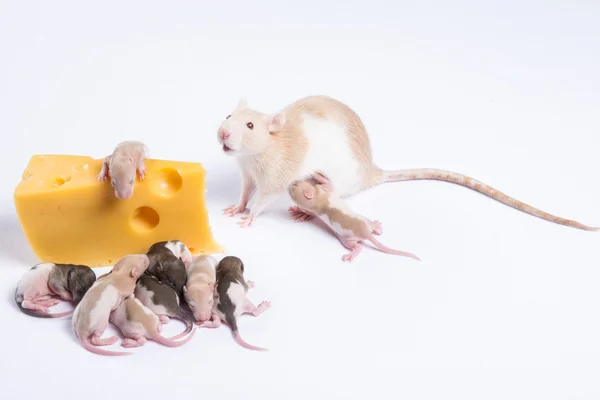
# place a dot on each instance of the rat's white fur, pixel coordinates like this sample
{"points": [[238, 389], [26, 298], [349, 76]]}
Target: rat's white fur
{"points": [[180, 250], [33, 280]]}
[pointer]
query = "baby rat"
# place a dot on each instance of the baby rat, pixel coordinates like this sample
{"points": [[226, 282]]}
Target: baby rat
{"points": [[169, 261], [122, 164], [138, 323], [348, 226], [230, 298], [91, 316], [318, 133], [43, 281], [162, 299], [199, 289]]}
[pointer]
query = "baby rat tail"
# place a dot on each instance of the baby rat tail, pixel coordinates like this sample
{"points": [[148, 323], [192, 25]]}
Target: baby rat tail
{"points": [[187, 318], [386, 249], [158, 338], [230, 320], [463, 180], [90, 347]]}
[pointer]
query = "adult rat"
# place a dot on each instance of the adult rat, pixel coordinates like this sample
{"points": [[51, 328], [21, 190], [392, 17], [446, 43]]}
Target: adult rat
{"points": [[318, 134]]}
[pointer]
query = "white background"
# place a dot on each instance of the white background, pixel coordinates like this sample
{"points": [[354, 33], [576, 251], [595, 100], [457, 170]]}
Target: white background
{"points": [[502, 306]]}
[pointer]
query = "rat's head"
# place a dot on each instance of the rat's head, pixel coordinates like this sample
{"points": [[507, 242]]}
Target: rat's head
{"points": [[79, 280], [200, 299], [133, 265], [306, 195], [122, 176], [229, 265], [248, 132]]}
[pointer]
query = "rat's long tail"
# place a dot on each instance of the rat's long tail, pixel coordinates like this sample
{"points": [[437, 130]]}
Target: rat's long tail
{"points": [[42, 314], [173, 343], [232, 324], [96, 350], [386, 249], [185, 317], [463, 180]]}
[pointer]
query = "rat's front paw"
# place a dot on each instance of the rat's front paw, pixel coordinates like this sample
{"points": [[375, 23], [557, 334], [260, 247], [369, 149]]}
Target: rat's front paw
{"points": [[234, 210], [246, 222]]}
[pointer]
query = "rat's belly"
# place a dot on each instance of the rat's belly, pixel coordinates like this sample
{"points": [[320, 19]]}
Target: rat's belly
{"points": [[329, 152]]}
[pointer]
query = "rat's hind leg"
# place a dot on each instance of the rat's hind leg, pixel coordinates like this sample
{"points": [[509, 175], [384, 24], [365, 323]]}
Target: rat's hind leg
{"points": [[250, 308], [96, 340], [355, 248], [164, 319], [134, 341], [298, 215], [48, 303], [376, 227], [31, 305]]}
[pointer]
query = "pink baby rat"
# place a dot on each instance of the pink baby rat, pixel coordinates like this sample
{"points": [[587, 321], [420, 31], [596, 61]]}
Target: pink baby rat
{"points": [[321, 134], [200, 286], [349, 227], [138, 323], [91, 316], [38, 288], [127, 158]]}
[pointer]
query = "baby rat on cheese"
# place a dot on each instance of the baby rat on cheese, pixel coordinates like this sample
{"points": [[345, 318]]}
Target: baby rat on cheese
{"points": [[122, 165], [169, 261], [321, 134], [91, 316], [36, 289], [348, 226], [138, 323], [230, 298], [199, 289]]}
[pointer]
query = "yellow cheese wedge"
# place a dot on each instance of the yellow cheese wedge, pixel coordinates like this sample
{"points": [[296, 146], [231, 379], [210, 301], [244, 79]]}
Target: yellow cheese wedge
{"points": [[70, 217]]}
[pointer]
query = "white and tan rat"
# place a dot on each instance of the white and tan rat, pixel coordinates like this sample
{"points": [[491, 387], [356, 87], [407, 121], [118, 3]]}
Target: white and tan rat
{"points": [[321, 134], [349, 227], [122, 165]]}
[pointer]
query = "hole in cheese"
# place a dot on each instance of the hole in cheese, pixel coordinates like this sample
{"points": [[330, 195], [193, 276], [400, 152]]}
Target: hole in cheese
{"points": [[61, 181], [165, 182], [191, 249], [144, 218]]}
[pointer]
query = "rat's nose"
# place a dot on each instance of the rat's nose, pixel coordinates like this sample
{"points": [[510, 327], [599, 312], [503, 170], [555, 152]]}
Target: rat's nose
{"points": [[224, 135]]}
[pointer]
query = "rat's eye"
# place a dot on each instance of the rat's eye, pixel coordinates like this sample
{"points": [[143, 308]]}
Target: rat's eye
{"points": [[227, 117], [250, 125], [131, 182], [112, 183]]}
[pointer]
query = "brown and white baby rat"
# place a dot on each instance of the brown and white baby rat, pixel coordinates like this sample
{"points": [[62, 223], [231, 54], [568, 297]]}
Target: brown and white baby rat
{"points": [[348, 226], [321, 134], [169, 261], [91, 316], [162, 299], [200, 287], [138, 323], [127, 158], [230, 298], [36, 289]]}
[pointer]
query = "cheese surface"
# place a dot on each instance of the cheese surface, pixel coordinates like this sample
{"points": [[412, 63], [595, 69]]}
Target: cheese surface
{"points": [[68, 216]]}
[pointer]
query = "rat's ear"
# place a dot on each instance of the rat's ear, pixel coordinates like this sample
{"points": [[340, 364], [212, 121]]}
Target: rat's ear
{"points": [[160, 267], [184, 290], [275, 122], [242, 104], [211, 285], [309, 194], [136, 272]]}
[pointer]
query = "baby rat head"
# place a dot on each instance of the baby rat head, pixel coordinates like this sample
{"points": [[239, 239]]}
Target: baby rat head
{"points": [[248, 132], [308, 196], [122, 176], [79, 280], [200, 299], [170, 271], [133, 266]]}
